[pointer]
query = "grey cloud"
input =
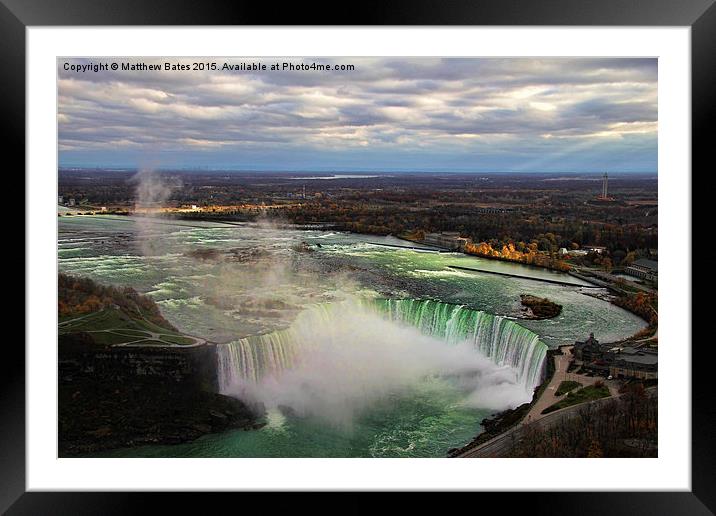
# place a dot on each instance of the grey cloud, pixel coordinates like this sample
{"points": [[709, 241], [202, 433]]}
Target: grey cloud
{"points": [[384, 102]]}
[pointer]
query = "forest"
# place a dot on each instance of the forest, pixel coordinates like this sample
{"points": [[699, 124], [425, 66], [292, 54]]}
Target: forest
{"points": [[624, 427], [521, 217]]}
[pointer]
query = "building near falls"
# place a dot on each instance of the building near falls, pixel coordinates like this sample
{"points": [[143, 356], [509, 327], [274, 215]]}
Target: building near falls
{"points": [[447, 239], [599, 249], [644, 269], [628, 362], [587, 351], [617, 361]]}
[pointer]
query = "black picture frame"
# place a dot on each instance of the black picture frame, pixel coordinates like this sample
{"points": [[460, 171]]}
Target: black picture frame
{"points": [[16, 15]]}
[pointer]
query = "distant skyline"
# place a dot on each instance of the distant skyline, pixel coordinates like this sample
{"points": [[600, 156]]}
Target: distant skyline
{"points": [[389, 114]]}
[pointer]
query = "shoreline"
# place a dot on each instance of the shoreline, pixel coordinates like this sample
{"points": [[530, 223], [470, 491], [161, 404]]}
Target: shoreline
{"points": [[502, 422]]}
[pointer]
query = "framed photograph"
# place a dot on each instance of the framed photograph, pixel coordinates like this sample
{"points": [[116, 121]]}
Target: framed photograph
{"points": [[408, 250]]}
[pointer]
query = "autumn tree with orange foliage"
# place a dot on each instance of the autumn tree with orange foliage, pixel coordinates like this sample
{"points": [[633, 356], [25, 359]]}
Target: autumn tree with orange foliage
{"points": [[508, 252], [643, 304]]}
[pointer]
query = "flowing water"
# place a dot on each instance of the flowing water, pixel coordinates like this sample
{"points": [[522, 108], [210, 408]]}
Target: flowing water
{"points": [[354, 349]]}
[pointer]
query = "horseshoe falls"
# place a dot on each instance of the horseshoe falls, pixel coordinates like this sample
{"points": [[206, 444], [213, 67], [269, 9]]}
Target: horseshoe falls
{"points": [[339, 353]]}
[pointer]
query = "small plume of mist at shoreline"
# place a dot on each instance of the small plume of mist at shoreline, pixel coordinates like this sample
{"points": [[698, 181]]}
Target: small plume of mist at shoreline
{"points": [[151, 193]]}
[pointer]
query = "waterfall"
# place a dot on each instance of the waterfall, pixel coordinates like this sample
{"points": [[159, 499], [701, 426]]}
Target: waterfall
{"points": [[503, 341], [253, 357]]}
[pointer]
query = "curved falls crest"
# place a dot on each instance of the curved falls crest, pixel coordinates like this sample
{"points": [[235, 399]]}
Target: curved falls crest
{"points": [[503, 341]]}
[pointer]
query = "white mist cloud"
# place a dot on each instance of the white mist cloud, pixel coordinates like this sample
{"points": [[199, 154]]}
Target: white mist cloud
{"points": [[348, 357]]}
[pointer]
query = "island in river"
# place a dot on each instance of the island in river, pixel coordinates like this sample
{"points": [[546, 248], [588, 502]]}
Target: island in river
{"points": [[540, 307]]}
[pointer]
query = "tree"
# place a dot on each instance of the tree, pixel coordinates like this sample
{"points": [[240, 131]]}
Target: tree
{"points": [[595, 450], [618, 256], [607, 264]]}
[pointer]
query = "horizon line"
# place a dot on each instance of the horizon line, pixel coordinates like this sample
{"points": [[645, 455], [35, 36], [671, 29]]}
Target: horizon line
{"points": [[343, 171]]}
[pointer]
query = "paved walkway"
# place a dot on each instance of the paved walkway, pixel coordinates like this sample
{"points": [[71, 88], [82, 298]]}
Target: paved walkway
{"points": [[549, 396], [141, 336], [150, 336]]}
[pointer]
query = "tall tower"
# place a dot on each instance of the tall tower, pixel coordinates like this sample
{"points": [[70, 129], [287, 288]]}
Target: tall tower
{"points": [[605, 180]]}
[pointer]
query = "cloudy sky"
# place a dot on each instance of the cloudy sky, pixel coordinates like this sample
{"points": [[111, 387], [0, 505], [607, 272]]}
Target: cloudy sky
{"points": [[542, 115]]}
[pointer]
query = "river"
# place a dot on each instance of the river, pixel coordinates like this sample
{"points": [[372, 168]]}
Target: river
{"points": [[363, 381]]}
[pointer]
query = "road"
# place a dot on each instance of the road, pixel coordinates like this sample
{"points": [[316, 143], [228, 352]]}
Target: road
{"points": [[502, 444], [611, 280]]}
